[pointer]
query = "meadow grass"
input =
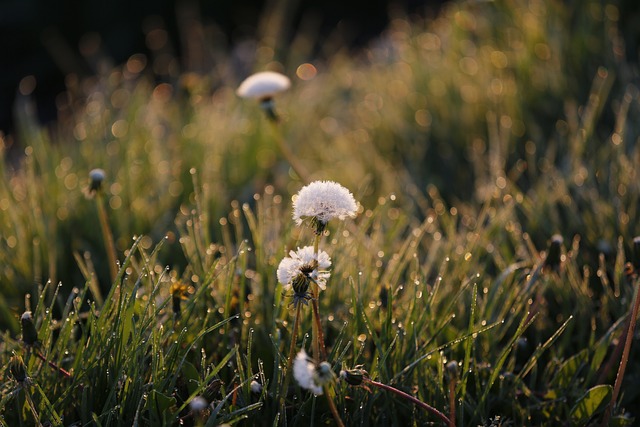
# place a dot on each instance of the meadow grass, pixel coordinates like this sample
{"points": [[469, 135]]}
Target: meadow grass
{"points": [[471, 141]]}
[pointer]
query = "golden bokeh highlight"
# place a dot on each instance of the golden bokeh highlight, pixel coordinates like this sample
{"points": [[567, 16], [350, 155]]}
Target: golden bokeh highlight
{"points": [[306, 71]]}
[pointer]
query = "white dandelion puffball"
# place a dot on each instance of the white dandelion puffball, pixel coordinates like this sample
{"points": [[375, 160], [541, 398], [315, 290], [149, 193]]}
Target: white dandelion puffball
{"points": [[323, 200], [263, 85], [303, 372], [301, 261]]}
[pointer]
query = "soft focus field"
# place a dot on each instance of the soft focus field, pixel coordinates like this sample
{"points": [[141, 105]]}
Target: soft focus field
{"points": [[469, 140]]}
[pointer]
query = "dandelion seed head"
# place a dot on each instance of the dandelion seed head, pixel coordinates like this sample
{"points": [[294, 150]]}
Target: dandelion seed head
{"points": [[303, 262], [304, 372], [321, 201], [263, 85], [323, 374]]}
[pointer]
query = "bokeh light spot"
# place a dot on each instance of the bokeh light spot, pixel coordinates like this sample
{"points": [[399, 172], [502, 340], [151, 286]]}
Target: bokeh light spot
{"points": [[306, 71]]}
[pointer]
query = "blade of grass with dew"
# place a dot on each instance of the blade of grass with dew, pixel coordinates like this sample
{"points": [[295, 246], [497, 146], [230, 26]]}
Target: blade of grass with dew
{"points": [[542, 348], [462, 386], [524, 325]]}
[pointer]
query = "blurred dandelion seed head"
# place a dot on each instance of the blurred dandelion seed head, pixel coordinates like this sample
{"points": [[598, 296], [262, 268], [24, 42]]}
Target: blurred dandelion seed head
{"points": [[311, 376], [263, 85]]}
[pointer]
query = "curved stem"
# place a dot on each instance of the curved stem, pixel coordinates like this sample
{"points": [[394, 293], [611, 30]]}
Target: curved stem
{"points": [[452, 403], [62, 371], [332, 407], [410, 398], [292, 349], [625, 357], [288, 154], [108, 238]]}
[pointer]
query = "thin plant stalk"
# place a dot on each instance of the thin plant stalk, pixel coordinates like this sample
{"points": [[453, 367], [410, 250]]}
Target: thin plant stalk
{"points": [[108, 237], [62, 371], [332, 407], [319, 349], [452, 403], [625, 357], [292, 350], [617, 351], [410, 398], [297, 167]]}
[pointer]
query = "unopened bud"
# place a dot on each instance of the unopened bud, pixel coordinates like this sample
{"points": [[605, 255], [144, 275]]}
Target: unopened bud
{"points": [[198, 404], [96, 177], [452, 369], [554, 253], [256, 387], [17, 369], [29, 333], [353, 376], [636, 252]]}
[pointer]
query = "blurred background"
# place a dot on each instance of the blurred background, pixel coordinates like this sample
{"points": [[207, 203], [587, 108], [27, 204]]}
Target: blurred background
{"points": [[448, 106], [48, 41]]}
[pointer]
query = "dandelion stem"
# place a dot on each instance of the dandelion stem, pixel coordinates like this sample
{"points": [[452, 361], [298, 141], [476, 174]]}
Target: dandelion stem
{"points": [[617, 351], [452, 403], [108, 237], [332, 407], [288, 154], [410, 398], [625, 356], [292, 350], [319, 350], [62, 371]]}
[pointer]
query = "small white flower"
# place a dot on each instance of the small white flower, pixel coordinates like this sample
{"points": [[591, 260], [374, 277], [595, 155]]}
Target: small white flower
{"points": [[263, 85], [303, 261], [304, 372], [321, 201]]}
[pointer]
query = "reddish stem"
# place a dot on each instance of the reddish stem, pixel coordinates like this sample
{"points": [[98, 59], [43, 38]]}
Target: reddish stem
{"points": [[62, 371], [410, 398]]}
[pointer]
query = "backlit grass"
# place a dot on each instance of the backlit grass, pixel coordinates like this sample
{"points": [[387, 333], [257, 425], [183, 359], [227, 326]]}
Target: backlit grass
{"points": [[469, 140]]}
